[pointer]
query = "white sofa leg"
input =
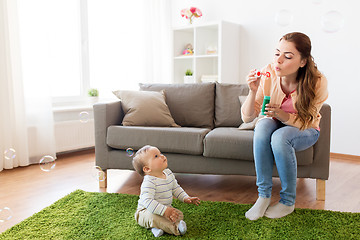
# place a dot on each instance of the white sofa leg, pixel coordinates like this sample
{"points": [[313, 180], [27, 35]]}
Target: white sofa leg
{"points": [[320, 189], [103, 184]]}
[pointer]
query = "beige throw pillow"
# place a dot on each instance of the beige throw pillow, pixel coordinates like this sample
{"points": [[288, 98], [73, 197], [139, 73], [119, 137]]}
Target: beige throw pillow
{"points": [[145, 108]]}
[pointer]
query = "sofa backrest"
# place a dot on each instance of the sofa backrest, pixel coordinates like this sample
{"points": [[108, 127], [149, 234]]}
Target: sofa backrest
{"points": [[191, 105], [227, 104]]}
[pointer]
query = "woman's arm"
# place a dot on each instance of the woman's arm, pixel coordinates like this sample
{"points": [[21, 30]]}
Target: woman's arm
{"points": [[248, 108]]}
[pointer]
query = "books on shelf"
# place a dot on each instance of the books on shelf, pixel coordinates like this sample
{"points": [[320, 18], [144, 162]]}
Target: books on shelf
{"points": [[209, 78]]}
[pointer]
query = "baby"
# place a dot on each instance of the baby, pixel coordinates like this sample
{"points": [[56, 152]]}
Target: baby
{"points": [[157, 190]]}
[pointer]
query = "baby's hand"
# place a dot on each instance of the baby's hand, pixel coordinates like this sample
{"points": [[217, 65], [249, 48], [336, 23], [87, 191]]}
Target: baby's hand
{"points": [[171, 214], [192, 200]]}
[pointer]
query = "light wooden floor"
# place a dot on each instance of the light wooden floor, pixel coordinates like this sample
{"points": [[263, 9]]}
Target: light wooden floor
{"points": [[27, 190]]}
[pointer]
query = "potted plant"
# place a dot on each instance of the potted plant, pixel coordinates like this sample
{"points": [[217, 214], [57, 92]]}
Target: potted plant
{"points": [[189, 78], [93, 93]]}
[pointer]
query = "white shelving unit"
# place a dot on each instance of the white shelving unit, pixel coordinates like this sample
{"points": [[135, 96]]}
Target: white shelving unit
{"points": [[225, 63]]}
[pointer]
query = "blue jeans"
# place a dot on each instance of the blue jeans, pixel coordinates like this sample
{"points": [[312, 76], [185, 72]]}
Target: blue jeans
{"points": [[275, 141]]}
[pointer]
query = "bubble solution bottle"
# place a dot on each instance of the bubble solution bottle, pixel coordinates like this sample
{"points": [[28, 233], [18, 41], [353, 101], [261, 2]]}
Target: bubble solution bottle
{"points": [[266, 101], [267, 83]]}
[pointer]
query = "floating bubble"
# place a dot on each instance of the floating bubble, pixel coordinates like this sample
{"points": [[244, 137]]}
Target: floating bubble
{"points": [[332, 21], [84, 117], [5, 214], [47, 163], [130, 152], [98, 174], [284, 18], [9, 154]]}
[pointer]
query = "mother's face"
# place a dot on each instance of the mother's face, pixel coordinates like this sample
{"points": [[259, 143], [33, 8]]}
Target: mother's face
{"points": [[287, 59]]}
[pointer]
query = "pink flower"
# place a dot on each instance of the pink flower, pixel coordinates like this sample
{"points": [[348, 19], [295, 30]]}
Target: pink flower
{"points": [[183, 12], [190, 13], [198, 13]]}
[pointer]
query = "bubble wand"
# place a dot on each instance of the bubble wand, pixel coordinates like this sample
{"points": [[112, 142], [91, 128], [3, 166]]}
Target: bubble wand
{"points": [[267, 84]]}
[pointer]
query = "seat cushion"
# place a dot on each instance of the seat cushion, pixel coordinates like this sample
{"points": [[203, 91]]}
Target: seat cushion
{"points": [[229, 143], [175, 140], [227, 105], [191, 105], [233, 143]]}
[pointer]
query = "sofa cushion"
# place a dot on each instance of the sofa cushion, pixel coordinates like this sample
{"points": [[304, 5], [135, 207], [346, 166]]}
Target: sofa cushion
{"points": [[233, 143], [143, 108], [191, 105], [227, 142], [227, 105], [175, 140]]}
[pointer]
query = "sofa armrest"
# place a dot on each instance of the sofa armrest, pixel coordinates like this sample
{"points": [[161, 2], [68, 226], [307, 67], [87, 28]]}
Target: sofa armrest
{"points": [[320, 166], [105, 115]]}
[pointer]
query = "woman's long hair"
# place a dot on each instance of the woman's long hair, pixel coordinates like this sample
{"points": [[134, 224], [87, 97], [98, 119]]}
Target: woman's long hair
{"points": [[307, 78]]}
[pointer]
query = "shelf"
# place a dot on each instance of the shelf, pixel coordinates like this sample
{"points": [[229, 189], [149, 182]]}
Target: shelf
{"points": [[184, 57], [221, 37], [195, 56], [207, 56]]}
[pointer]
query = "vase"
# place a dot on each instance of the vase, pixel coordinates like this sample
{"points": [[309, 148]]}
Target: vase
{"points": [[93, 100], [189, 79]]}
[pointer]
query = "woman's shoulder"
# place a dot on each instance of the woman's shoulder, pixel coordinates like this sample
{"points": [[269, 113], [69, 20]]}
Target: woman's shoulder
{"points": [[322, 88], [322, 82]]}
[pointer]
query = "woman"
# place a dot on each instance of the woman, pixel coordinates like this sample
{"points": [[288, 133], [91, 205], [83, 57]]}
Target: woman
{"points": [[297, 91]]}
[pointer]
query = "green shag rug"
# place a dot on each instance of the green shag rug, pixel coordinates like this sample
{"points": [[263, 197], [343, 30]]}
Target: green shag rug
{"points": [[87, 215]]}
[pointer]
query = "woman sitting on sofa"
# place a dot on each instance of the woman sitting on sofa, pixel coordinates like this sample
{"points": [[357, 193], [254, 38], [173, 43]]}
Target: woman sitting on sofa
{"points": [[297, 91]]}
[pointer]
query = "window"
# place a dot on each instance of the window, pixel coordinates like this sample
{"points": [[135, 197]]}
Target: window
{"points": [[115, 44], [50, 46], [72, 45]]}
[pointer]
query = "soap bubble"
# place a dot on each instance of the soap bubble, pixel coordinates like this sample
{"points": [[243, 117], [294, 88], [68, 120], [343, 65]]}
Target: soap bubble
{"points": [[332, 21], [84, 117], [9, 154], [130, 152], [5, 214], [47, 163], [283, 17], [98, 174]]}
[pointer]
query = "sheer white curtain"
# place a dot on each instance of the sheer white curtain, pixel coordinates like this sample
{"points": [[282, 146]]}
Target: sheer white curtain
{"points": [[13, 130], [26, 119], [36, 47], [157, 41]]}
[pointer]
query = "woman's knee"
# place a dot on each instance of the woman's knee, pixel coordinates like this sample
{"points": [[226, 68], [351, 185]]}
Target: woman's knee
{"points": [[264, 128], [282, 138]]}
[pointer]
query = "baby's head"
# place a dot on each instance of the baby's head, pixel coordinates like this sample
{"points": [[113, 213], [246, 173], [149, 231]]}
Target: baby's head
{"points": [[148, 160]]}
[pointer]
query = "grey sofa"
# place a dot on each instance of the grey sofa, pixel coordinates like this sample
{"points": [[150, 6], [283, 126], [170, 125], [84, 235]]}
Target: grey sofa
{"points": [[208, 141]]}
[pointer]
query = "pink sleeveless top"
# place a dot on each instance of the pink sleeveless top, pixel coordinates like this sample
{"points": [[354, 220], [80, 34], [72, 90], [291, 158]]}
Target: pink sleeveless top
{"points": [[287, 104]]}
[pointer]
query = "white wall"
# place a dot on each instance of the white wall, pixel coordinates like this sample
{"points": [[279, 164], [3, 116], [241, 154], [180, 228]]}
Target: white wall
{"points": [[336, 54]]}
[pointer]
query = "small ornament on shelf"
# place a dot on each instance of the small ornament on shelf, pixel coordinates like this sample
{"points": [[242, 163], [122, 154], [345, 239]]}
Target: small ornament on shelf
{"points": [[188, 50], [190, 13], [211, 50]]}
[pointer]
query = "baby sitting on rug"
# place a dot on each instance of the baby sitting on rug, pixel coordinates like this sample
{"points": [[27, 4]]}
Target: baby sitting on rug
{"points": [[157, 190]]}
